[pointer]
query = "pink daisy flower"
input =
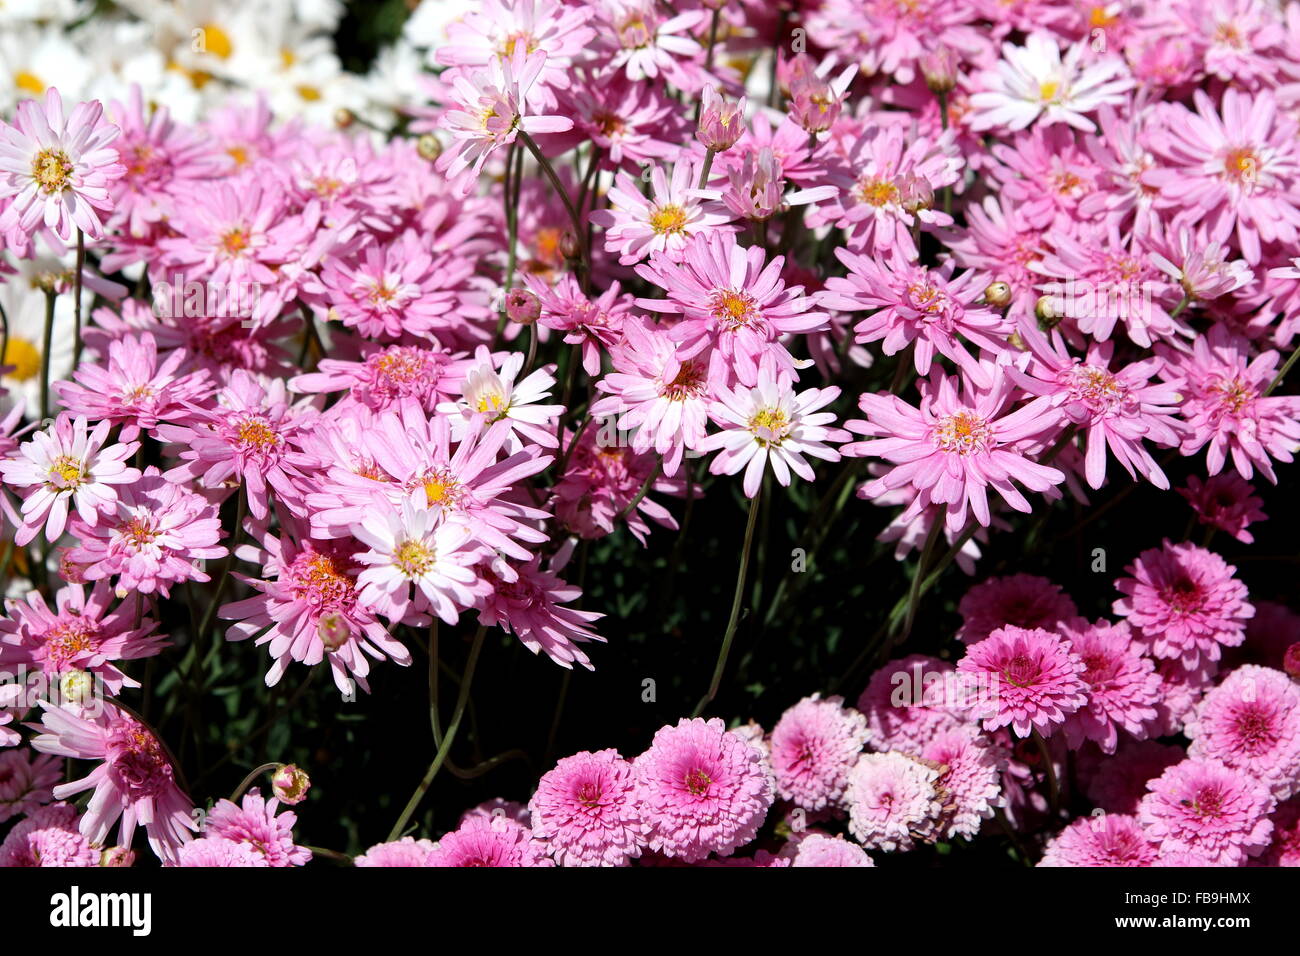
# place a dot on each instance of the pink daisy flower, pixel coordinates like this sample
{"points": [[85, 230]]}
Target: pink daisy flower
{"points": [[1226, 410], [646, 46], [771, 424], [1225, 501], [1203, 807], [255, 822], [637, 225], [158, 533], [893, 802], [730, 299], [490, 108], [1123, 687], [307, 610], [1025, 600], [586, 809], [248, 436], [388, 376], [49, 837], [1251, 723], [1117, 411], [813, 747], [660, 398], [490, 840], [133, 389], [493, 391], [1234, 167], [1109, 839], [1039, 679], [532, 607], [954, 448], [908, 303], [57, 171], [135, 782], [78, 634], [407, 851], [701, 790], [67, 466], [219, 851], [1185, 604]]}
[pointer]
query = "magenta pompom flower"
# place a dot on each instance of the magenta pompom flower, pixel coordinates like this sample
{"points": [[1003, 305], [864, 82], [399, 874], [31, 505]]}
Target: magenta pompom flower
{"points": [[405, 852], [255, 822], [813, 747], [894, 801], [1039, 680], [58, 170], [219, 851], [1025, 600], [1251, 723], [701, 790], [817, 849], [489, 840], [49, 837], [27, 780], [135, 781], [1225, 501], [1108, 839], [585, 808], [1123, 687], [1203, 807], [1185, 604]]}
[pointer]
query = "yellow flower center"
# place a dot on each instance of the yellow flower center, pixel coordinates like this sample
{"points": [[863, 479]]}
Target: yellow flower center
{"points": [[491, 402], [29, 82], [1241, 165], [877, 192], [732, 309], [25, 358], [963, 433], [235, 241], [66, 472], [51, 169], [769, 426], [1048, 91], [668, 219], [414, 558], [440, 488], [256, 433], [217, 41]]}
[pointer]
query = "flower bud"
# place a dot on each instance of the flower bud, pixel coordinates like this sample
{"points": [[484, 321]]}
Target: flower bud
{"points": [[76, 687], [117, 856], [914, 192], [289, 784], [721, 123], [939, 67], [569, 245], [344, 117], [998, 295], [522, 306], [428, 147], [1291, 660], [333, 630], [1045, 312]]}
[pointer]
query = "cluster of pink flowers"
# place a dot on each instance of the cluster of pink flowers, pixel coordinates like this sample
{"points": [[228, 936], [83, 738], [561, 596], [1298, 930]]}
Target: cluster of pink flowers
{"points": [[340, 386]]}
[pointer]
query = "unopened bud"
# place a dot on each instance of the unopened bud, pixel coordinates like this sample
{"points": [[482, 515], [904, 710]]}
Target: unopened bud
{"points": [[289, 784], [569, 247], [76, 686], [344, 117], [914, 192], [117, 856], [998, 295], [428, 147], [522, 306], [1291, 660], [721, 123], [939, 67], [333, 630], [1045, 312]]}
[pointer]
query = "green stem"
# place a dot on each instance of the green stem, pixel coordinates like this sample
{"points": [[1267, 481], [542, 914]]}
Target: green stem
{"points": [[248, 781], [438, 759], [706, 168], [736, 600], [645, 488], [560, 191], [1281, 374], [45, 354], [914, 592]]}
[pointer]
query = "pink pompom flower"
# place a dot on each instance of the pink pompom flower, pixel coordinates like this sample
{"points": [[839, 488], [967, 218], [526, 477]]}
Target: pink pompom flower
{"points": [[489, 840], [254, 822], [586, 810], [1203, 807], [1039, 680], [813, 747], [893, 802]]}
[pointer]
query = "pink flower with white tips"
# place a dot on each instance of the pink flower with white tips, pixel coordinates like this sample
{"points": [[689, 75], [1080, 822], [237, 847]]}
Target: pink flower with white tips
{"points": [[136, 781], [491, 392], [955, 447], [64, 467], [58, 171], [770, 423], [490, 112], [637, 225]]}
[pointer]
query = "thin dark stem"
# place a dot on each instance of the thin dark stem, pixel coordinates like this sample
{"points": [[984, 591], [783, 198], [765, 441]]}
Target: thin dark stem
{"points": [[736, 600], [1281, 374], [560, 191], [438, 759], [76, 296], [248, 781], [45, 354]]}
